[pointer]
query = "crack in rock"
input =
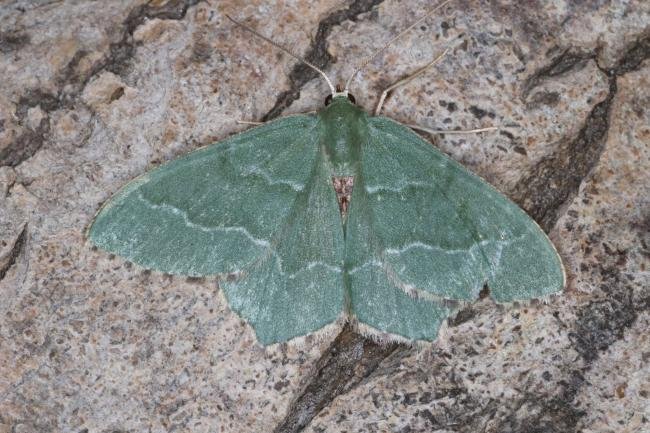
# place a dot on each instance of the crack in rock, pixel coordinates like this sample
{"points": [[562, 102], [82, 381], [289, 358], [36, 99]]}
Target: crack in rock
{"points": [[31, 140], [71, 84], [10, 259], [317, 54], [565, 62], [602, 322], [566, 168], [13, 41], [556, 415], [122, 51], [348, 360], [556, 178]]}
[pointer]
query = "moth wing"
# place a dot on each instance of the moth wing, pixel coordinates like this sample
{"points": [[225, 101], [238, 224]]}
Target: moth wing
{"points": [[381, 304], [440, 232], [256, 206]]}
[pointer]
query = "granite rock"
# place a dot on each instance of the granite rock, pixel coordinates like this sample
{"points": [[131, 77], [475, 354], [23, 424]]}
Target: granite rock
{"points": [[95, 93]]}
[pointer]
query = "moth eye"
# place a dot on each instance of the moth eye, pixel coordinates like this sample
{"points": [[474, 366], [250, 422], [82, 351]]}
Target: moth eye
{"points": [[351, 98]]}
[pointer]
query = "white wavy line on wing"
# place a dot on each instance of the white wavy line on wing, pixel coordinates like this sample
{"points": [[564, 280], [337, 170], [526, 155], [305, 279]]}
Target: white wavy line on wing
{"points": [[422, 245], [261, 172], [256, 169], [471, 251], [312, 265], [407, 288], [394, 188], [493, 263], [356, 269], [260, 242], [188, 222]]}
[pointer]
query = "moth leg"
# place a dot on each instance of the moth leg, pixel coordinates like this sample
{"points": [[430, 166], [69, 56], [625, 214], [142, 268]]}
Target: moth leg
{"points": [[247, 122], [406, 80], [453, 131]]}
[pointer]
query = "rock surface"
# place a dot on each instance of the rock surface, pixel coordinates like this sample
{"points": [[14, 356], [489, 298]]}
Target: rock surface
{"points": [[95, 93]]}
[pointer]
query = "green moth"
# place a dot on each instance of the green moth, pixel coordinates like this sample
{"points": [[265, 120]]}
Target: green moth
{"points": [[422, 234]]}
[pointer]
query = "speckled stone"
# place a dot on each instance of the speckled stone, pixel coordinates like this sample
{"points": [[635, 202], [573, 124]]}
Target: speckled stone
{"points": [[95, 93]]}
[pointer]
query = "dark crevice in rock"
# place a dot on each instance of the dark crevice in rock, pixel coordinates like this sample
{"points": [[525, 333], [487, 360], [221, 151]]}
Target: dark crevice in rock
{"points": [[16, 249], [603, 322], [555, 415], [35, 98], [24, 146], [349, 359], [13, 41], [467, 414], [565, 62], [530, 412], [636, 54], [31, 140], [71, 82], [122, 51], [317, 54], [556, 178]]}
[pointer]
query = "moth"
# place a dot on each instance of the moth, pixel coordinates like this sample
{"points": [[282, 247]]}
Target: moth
{"points": [[422, 234]]}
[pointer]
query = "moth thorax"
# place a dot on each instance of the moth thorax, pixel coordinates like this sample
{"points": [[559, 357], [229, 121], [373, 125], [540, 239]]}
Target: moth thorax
{"points": [[344, 129], [343, 186]]}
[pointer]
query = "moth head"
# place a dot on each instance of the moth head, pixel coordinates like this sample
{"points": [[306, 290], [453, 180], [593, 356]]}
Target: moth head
{"points": [[340, 94]]}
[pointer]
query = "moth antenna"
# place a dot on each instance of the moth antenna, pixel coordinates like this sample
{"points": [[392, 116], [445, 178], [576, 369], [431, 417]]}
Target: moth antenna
{"points": [[368, 59], [406, 80], [286, 50], [453, 131]]}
